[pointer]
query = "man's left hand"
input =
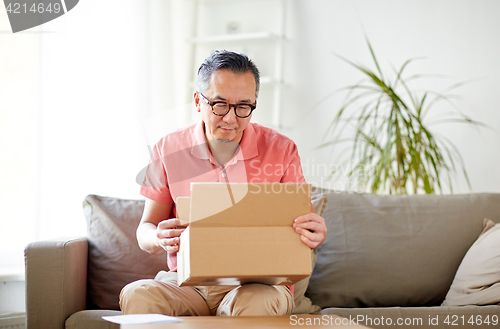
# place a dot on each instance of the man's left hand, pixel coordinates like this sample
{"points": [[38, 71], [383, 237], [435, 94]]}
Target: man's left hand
{"points": [[312, 229]]}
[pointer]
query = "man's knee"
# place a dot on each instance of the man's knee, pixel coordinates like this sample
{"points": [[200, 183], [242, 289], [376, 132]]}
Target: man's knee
{"points": [[256, 291], [135, 293], [258, 299], [153, 296]]}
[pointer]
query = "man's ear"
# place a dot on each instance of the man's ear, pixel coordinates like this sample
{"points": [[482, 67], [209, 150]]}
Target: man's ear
{"points": [[196, 97]]}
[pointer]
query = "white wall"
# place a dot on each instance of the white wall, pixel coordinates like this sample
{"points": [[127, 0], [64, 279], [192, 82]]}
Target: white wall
{"points": [[12, 297], [458, 38]]}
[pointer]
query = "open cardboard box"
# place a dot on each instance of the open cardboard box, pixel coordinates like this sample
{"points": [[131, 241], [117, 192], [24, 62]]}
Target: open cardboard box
{"points": [[242, 233]]}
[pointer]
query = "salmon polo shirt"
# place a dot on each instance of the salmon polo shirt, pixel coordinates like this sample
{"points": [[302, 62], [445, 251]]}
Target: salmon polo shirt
{"points": [[183, 157]]}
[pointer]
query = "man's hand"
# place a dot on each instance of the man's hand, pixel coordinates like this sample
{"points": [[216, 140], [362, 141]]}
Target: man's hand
{"points": [[168, 233], [312, 229]]}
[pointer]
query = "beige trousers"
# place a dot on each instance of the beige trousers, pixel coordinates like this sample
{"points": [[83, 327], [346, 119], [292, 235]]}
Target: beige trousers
{"points": [[162, 295]]}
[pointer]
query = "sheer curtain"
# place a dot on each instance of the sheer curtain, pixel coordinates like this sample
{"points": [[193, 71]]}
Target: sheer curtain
{"points": [[98, 86]]}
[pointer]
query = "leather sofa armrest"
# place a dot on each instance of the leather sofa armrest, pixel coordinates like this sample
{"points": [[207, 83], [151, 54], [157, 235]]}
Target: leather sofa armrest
{"points": [[56, 281]]}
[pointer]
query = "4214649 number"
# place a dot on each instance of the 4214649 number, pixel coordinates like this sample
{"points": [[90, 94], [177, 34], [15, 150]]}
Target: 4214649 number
{"points": [[455, 320], [35, 8]]}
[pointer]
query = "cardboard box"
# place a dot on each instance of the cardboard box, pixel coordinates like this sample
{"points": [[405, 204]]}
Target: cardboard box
{"points": [[242, 233]]}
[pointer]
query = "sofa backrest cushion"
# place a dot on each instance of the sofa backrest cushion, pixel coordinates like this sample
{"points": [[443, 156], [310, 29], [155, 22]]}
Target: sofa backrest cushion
{"points": [[303, 304], [386, 250], [115, 258]]}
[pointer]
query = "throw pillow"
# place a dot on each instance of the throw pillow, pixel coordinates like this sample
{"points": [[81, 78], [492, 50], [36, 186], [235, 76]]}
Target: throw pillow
{"points": [[115, 258], [477, 281], [318, 201]]}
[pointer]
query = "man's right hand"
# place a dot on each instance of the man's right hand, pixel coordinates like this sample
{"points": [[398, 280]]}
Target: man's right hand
{"points": [[156, 232], [168, 233]]}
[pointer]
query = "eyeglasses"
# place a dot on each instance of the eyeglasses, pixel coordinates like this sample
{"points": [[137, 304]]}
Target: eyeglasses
{"points": [[222, 108]]}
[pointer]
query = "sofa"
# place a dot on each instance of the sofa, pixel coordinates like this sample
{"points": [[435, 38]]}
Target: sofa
{"points": [[420, 261]]}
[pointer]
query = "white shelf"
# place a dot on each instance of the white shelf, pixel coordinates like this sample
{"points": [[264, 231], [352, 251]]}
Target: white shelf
{"points": [[272, 35], [218, 1], [263, 81], [259, 36]]}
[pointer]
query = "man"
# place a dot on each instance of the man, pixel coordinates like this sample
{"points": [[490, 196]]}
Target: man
{"points": [[224, 147]]}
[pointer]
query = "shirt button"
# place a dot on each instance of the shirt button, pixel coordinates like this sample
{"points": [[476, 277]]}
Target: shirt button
{"points": [[224, 174]]}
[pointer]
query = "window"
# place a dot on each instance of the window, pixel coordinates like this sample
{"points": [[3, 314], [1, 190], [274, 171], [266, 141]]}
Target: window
{"points": [[75, 96], [19, 69]]}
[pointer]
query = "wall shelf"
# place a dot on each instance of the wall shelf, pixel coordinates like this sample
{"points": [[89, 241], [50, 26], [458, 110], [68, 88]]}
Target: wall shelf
{"points": [[237, 37], [264, 44]]}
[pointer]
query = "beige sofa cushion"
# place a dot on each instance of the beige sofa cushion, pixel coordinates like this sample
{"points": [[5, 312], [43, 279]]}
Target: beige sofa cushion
{"points": [[477, 281], [386, 250], [115, 258], [91, 320], [434, 317]]}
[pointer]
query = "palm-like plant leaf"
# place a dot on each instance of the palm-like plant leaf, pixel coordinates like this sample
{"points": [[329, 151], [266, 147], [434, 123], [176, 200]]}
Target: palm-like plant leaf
{"points": [[393, 150]]}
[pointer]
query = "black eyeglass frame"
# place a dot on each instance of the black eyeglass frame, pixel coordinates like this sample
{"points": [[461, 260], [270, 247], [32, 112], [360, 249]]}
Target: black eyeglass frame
{"points": [[212, 104]]}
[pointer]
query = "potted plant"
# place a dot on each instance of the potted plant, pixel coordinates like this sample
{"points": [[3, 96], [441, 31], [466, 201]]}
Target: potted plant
{"points": [[393, 148]]}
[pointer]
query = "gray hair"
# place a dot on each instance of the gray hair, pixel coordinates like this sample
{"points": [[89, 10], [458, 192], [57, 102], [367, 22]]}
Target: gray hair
{"points": [[227, 60]]}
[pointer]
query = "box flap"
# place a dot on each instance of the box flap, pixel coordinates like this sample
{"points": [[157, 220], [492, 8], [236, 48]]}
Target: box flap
{"points": [[247, 205], [182, 206]]}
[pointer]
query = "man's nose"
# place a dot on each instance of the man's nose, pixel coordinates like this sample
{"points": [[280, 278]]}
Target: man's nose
{"points": [[230, 117]]}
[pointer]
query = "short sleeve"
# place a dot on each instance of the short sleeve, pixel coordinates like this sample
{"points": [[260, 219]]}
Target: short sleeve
{"points": [[154, 182], [293, 172]]}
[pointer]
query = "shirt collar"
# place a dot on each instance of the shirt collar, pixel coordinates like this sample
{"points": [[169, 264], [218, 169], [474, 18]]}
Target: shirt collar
{"points": [[248, 144], [199, 148]]}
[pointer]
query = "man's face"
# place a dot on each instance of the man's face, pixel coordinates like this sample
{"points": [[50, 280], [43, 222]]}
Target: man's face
{"points": [[234, 88]]}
